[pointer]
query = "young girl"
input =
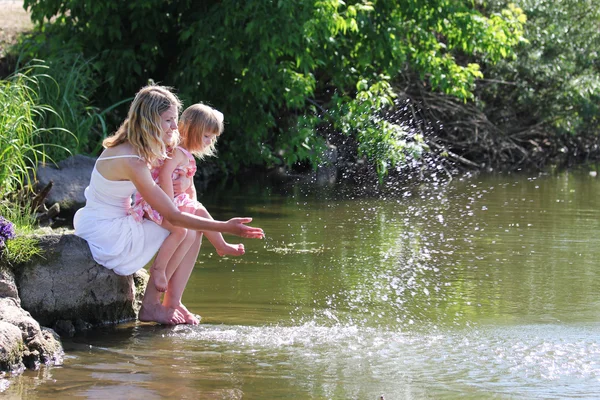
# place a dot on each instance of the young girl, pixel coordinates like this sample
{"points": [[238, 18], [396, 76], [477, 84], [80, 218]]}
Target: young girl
{"points": [[116, 239], [199, 127]]}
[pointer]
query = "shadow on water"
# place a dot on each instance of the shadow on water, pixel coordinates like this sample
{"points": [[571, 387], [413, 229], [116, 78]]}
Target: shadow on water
{"points": [[482, 288]]}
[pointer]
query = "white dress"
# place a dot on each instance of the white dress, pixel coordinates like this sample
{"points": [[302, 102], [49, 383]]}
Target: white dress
{"points": [[117, 241]]}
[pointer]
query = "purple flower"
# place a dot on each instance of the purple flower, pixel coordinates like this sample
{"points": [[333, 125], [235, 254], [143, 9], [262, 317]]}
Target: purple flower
{"points": [[7, 230]]}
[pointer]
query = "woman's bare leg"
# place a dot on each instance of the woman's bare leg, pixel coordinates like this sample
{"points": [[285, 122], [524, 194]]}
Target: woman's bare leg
{"points": [[165, 255], [179, 279], [217, 240], [152, 310]]}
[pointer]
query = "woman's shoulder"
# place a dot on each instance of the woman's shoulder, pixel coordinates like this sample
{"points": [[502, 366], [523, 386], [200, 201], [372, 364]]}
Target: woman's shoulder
{"points": [[118, 150], [123, 152], [120, 163]]}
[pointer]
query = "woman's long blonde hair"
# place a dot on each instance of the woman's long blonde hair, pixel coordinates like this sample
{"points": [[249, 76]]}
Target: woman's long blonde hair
{"points": [[194, 122], [142, 127]]}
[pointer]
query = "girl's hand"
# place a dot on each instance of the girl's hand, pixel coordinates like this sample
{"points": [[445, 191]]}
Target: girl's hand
{"points": [[237, 227], [181, 184]]}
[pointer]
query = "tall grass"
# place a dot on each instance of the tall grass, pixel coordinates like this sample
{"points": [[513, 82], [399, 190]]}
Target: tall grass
{"points": [[21, 149], [72, 81], [20, 213]]}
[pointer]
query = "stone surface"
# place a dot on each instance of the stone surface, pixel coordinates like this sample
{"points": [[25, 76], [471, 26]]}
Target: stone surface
{"points": [[327, 170], [11, 347], [37, 345], [8, 286], [67, 284], [70, 178], [65, 289]]}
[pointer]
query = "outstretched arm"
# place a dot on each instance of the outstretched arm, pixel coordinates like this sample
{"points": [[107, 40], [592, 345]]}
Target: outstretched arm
{"points": [[138, 173]]}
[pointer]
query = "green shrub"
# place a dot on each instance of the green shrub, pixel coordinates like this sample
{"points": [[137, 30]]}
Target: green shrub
{"points": [[553, 86], [286, 74]]}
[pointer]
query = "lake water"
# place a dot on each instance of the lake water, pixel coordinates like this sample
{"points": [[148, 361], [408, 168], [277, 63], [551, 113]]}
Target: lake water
{"points": [[486, 287]]}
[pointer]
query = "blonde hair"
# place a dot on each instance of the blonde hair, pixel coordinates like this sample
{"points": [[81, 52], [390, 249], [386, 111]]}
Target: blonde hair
{"points": [[195, 121], [142, 127]]}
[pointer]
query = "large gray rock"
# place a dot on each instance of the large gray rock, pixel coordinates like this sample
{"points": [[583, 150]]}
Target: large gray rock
{"points": [[70, 178], [11, 347], [63, 288], [66, 284], [8, 286], [35, 346]]}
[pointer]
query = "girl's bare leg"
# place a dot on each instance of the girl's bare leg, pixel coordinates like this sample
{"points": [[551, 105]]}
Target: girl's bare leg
{"points": [[178, 279], [217, 240], [165, 254], [152, 310]]}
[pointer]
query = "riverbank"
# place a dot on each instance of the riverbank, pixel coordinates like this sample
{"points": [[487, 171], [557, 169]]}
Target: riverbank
{"points": [[60, 292]]}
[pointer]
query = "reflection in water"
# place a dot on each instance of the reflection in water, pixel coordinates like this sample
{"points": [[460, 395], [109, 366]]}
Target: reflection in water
{"points": [[486, 288]]}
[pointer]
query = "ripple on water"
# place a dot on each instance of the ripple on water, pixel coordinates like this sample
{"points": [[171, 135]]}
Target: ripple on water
{"points": [[545, 360]]}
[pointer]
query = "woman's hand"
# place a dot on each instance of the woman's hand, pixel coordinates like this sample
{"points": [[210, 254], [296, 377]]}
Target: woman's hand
{"points": [[236, 226]]}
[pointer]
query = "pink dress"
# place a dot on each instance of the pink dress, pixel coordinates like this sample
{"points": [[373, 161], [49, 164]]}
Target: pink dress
{"points": [[142, 209]]}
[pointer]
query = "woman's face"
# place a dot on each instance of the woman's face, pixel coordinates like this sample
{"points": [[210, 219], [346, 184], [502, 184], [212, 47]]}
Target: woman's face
{"points": [[168, 124]]}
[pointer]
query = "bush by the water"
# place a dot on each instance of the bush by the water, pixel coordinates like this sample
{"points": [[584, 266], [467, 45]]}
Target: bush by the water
{"points": [[289, 76], [496, 83]]}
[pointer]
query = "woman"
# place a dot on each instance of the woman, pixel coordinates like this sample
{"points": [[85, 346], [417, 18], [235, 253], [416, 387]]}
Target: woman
{"points": [[119, 242]]}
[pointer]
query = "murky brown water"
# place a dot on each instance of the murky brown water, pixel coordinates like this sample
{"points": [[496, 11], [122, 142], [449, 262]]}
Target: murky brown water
{"points": [[485, 288]]}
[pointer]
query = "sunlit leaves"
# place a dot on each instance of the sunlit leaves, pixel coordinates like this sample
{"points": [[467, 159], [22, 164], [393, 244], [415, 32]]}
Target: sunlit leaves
{"points": [[556, 74], [282, 69]]}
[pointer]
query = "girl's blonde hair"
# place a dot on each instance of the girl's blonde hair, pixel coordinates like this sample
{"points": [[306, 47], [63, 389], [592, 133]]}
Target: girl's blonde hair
{"points": [[142, 127], [195, 121]]}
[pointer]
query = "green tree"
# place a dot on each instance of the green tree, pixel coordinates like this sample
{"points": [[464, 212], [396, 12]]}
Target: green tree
{"points": [[545, 101], [289, 75]]}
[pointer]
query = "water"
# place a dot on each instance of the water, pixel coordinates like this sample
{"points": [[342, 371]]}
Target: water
{"points": [[483, 288]]}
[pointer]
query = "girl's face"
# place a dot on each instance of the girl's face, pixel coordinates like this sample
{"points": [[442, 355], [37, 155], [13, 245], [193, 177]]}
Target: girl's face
{"points": [[168, 124], [208, 138]]}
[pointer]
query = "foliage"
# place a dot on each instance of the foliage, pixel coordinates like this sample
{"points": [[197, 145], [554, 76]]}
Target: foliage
{"points": [[21, 249], [21, 144], [554, 83], [17, 223], [19, 213], [288, 74], [71, 82], [16, 249]]}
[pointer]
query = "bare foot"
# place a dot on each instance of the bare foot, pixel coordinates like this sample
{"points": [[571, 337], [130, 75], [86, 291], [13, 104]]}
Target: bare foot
{"points": [[231, 250], [161, 314], [190, 318], [159, 279]]}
